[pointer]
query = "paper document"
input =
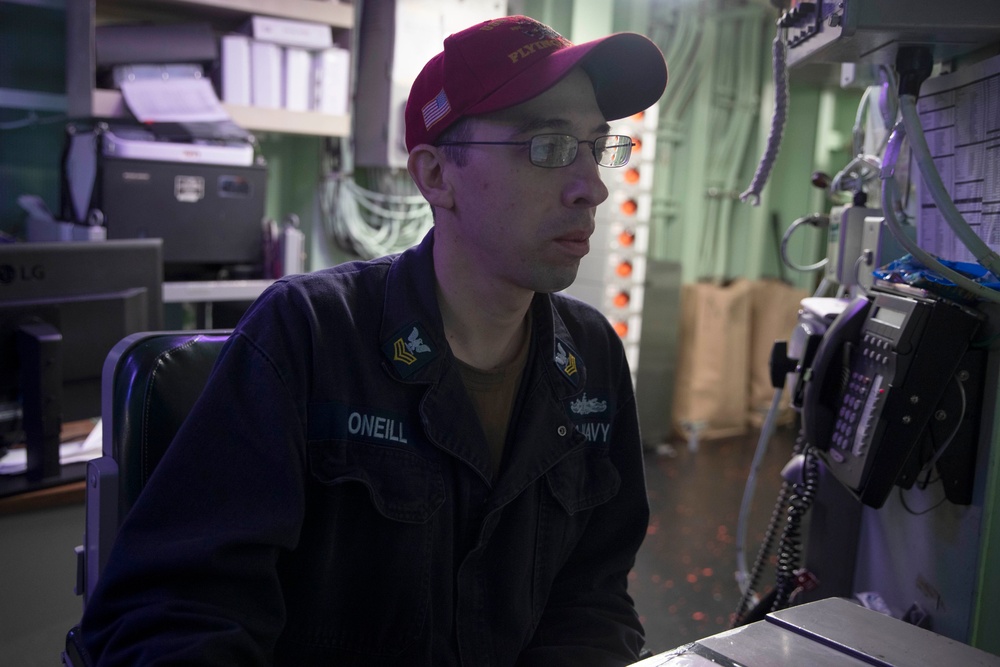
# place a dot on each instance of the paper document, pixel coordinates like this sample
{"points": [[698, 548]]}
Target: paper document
{"points": [[235, 69], [15, 461], [173, 101]]}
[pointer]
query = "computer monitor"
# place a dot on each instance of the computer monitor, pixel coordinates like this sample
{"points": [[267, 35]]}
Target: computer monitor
{"points": [[63, 306]]}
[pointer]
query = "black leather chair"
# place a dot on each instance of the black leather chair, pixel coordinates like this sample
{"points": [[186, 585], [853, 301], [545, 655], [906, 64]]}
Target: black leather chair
{"points": [[150, 382]]}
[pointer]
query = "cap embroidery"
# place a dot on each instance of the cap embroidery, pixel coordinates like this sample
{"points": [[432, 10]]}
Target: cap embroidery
{"points": [[546, 37], [436, 109], [534, 29], [540, 45]]}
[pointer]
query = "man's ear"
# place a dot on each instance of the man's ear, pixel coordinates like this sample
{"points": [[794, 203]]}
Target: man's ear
{"points": [[427, 169]]}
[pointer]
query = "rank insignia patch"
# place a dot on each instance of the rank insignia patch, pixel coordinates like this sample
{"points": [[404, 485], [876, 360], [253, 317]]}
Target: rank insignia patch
{"points": [[565, 359], [407, 350]]}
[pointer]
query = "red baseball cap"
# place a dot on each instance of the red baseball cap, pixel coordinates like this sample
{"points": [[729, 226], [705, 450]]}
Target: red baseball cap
{"points": [[500, 63]]}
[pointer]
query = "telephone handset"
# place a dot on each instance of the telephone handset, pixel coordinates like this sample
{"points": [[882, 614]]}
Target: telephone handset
{"points": [[878, 373]]}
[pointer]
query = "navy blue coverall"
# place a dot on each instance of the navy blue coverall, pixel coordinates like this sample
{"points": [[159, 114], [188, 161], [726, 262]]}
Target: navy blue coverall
{"points": [[330, 499]]}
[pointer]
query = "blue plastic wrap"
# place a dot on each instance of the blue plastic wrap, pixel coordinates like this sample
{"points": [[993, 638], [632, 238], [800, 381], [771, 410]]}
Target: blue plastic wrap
{"points": [[908, 270]]}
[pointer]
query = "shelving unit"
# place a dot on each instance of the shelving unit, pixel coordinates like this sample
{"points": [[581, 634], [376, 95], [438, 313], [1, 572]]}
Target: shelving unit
{"points": [[333, 12], [44, 4], [84, 100], [109, 104], [16, 98]]}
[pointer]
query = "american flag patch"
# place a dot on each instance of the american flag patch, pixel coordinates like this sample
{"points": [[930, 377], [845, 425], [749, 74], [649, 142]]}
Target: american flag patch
{"points": [[436, 109]]}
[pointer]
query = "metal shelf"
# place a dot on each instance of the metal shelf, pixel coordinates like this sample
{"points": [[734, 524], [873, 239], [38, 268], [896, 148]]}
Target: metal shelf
{"points": [[109, 104], [83, 100], [14, 98], [332, 12], [41, 4]]}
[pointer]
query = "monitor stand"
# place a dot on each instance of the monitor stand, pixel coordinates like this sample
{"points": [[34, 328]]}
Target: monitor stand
{"points": [[39, 347]]}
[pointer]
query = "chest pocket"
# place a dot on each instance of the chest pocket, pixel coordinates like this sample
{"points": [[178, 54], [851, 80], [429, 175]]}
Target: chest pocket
{"points": [[403, 486], [583, 480], [360, 577]]}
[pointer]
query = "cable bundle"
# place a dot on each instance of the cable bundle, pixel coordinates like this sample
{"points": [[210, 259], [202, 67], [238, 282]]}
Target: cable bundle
{"points": [[370, 223]]}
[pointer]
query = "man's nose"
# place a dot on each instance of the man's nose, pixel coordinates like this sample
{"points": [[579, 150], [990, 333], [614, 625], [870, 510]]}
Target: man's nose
{"points": [[585, 189]]}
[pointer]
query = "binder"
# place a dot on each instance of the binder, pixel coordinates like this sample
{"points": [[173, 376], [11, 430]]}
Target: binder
{"points": [[332, 74], [297, 75], [235, 84], [265, 72]]}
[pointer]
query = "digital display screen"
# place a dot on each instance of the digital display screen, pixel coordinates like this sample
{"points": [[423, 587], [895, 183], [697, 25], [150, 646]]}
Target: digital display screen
{"points": [[894, 318]]}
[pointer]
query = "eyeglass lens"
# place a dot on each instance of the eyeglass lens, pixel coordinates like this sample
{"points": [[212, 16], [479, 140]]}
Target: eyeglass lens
{"points": [[613, 150], [559, 150]]}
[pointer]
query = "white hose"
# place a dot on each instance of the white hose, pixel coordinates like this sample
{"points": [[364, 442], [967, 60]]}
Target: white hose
{"points": [[932, 180], [889, 196]]}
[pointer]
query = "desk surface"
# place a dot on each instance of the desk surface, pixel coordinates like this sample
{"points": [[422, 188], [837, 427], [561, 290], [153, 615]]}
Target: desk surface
{"points": [[71, 493], [834, 632], [18, 494]]}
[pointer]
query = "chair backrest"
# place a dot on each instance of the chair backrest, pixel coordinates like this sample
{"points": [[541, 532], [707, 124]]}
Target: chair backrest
{"points": [[150, 382]]}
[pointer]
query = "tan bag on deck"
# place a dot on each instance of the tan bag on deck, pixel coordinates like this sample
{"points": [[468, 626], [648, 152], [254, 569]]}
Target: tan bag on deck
{"points": [[711, 396]]}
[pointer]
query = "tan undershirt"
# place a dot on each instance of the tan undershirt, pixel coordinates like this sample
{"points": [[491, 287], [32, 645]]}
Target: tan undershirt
{"points": [[493, 393]]}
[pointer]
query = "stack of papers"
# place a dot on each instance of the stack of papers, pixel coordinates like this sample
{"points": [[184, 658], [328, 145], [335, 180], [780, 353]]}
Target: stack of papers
{"points": [[15, 461]]}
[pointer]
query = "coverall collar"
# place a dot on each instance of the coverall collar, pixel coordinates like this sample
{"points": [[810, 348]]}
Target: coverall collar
{"points": [[412, 331]]}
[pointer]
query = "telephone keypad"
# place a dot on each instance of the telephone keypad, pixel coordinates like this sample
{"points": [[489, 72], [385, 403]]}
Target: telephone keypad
{"points": [[862, 398]]}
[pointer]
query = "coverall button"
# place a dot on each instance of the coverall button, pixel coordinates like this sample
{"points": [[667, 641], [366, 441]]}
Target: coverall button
{"points": [[561, 430]]}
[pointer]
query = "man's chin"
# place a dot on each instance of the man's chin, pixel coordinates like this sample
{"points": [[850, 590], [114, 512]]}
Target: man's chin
{"points": [[558, 281]]}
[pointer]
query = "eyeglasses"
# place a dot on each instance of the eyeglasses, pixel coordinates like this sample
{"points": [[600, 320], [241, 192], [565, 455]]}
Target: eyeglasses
{"points": [[559, 150]]}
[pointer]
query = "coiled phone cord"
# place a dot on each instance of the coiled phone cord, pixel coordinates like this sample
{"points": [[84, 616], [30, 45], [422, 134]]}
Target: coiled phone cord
{"points": [[790, 544], [794, 499]]}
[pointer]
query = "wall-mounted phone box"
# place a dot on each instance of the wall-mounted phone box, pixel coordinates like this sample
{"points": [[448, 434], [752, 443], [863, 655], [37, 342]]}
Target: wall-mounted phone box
{"points": [[880, 371]]}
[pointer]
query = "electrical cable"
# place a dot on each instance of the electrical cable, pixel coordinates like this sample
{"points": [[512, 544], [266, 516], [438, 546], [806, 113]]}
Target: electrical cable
{"points": [[779, 53], [888, 101], [864, 258], [857, 130], [914, 64], [887, 112], [30, 120], [763, 554], [735, 86], [816, 220], [910, 510], [739, 129], [766, 433], [745, 613], [371, 211], [379, 218], [932, 181], [775, 225], [889, 198], [370, 223], [928, 470], [862, 168], [951, 436], [860, 178]]}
